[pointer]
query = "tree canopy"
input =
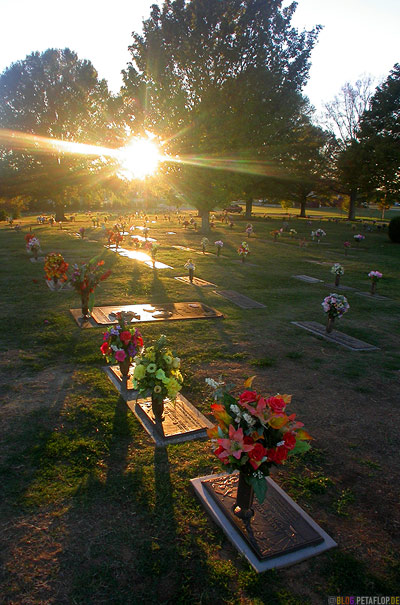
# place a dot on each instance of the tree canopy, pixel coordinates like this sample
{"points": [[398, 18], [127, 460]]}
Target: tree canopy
{"points": [[58, 96], [221, 82]]}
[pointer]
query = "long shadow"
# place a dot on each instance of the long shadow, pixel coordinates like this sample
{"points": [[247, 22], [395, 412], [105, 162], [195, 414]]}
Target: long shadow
{"points": [[134, 284], [158, 292]]}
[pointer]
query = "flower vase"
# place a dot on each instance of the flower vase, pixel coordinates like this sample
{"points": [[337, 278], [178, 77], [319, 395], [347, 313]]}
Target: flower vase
{"points": [[329, 325], [85, 305], [243, 258], [337, 279], [218, 251], [157, 406], [35, 253], [124, 367], [191, 273], [373, 287], [244, 499]]}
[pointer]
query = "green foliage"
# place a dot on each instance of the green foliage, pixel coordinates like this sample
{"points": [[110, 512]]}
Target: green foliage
{"points": [[394, 230]]}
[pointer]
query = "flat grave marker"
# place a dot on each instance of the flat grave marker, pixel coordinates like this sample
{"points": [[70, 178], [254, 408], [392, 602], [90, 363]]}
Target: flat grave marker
{"points": [[105, 316], [278, 535], [372, 296], [308, 279], [139, 256], [239, 299], [202, 283], [340, 287], [337, 337]]}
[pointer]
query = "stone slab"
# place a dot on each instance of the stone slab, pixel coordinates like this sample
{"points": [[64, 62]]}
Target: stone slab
{"points": [[239, 299], [202, 283], [145, 313], [182, 421], [372, 296], [139, 256], [337, 337], [61, 287], [141, 238], [340, 287], [185, 248], [308, 279], [289, 535]]}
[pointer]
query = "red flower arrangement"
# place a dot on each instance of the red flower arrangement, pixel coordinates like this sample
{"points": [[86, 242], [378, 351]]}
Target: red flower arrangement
{"points": [[254, 433]]}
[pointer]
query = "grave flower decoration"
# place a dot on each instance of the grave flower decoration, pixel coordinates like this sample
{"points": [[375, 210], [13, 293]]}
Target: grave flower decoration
{"points": [[359, 237], [335, 305], [243, 250], [136, 242], [157, 371], [190, 266], [337, 271], [86, 277], [28, 237], [219, 244], [121, 342], [204, 244], [33, 244], [374, 276], [275, 234], [153, 251], [319, 233], [82, 232], [249, 229], [55, 267], [292, 232], [254, 433]]}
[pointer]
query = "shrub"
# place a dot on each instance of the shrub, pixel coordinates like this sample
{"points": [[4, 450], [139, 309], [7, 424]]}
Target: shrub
{"points": [[394, 230]]}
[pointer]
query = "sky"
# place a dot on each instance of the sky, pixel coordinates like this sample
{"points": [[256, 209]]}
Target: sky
{"points": [[359, 36]]}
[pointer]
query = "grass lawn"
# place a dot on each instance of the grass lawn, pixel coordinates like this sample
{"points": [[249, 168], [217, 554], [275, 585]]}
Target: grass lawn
{"points": [[92, 513]]}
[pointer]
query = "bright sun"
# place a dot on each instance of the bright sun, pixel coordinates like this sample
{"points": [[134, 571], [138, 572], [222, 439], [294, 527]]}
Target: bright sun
{"points": [[140, 158]]}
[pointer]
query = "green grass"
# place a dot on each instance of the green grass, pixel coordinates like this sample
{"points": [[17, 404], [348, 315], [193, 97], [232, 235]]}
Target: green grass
{"points": [[93, 513]]}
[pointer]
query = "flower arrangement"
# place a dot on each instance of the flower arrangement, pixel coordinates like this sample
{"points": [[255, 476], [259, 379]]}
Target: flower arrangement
{"points": [[85, 278], [275, 234], [318, 233], [157, 371], [82, 232], [33, 246], [249, 229], [337, 271], [28, 236], [190, 266], [55, 267], [153, 251], [359, 237], [121, 342], [243, 250], [219, 243], [254, 433], [292, 232], [115, 238], [374, 276], [204, 244], [335, 305], [136, 242]]}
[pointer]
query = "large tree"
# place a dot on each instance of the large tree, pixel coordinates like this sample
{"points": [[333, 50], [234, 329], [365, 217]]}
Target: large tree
{"points": [[342, 118], [221, 81], [57, 96], [379, 137]]}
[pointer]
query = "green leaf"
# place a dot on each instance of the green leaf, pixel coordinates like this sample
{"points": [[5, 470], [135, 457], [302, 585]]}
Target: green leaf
{"points": [[300, 448], [260, 487]]}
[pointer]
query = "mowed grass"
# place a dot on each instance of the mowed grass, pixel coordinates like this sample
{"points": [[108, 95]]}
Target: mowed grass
{"points": [[93, 513]]}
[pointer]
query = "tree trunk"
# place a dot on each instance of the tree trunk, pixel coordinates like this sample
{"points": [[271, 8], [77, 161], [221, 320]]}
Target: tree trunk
{"points": [[205, 221], [302, 209], [60, 213], [352, 205], [249, 208]]}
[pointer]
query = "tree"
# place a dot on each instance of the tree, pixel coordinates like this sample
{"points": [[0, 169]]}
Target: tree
{"points": [[379, 137], [220, 81], [54, 95], [342, 118]]}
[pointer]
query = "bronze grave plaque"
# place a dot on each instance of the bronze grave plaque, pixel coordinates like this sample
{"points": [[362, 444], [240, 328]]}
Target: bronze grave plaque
{"points": [[239, 299]]}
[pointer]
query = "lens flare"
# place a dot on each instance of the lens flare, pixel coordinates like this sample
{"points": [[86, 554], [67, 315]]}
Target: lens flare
{"points": [[140, 158]]}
